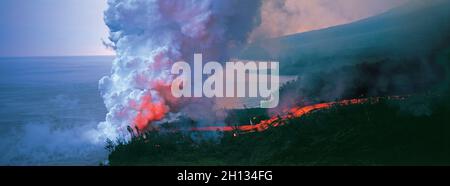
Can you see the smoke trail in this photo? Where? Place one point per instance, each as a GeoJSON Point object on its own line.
{"type": "Point", "coordinates": [150, 35]}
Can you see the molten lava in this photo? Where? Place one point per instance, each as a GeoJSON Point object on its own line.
{"type": "Point", "coordinates": [148, 112]}
{"type": "Point", "coordinates": [155, 111]}
{"type": "Point", "coordinates": [278, 120]}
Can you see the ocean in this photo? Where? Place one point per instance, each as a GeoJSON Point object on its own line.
{"type": "Point", "coordinates": [47, 105]}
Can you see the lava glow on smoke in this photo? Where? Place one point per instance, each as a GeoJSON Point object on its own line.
{"type": "Point", "coordinates": [149, 111]}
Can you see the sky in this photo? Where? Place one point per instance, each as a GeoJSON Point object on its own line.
{"type": "Point", "coordinates": [76, 27]}
{"type": "Point", "coordinates": [52, 28]}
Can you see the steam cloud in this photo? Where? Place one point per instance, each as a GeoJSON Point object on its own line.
{"type": "Point", "coordinates": [150, 35]}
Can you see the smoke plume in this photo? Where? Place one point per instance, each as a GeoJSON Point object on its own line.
{"type": "Point", "coordinates": [387, 54]}
{"type": "Point", "coordinates": [149, 36]}
{"type": "Point", "coordinates": [284, 17]}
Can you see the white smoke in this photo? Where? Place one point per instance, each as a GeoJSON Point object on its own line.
{"type": "Point", "coordinates": [150, 35]}
{"type": "Point", "coordinates": [53, 136]}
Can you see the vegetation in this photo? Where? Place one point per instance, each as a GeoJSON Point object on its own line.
{"type": "Point", "coordinates": [414, 131]}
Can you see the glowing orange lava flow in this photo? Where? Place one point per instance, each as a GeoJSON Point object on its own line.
{"type": "Point", "coordinates": [148, 112]}
{"type": "Point", "coordinates": [278, 120]}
